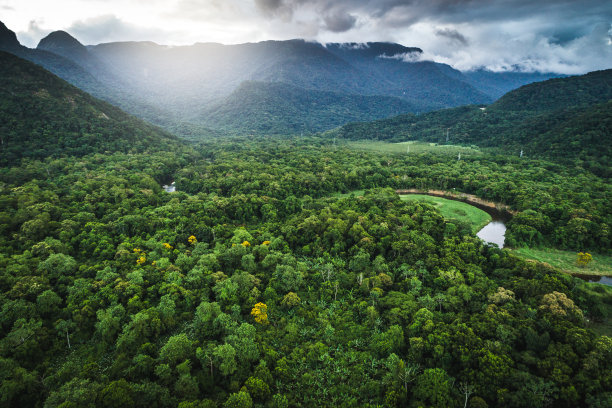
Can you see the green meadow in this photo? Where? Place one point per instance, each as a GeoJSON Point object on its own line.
{"type": "Point", "coordinates": [456, 210]}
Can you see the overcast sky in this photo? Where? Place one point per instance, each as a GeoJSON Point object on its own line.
{"type": "Point", "coordinates": [562, 36]}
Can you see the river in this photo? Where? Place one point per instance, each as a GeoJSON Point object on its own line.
{"type": "Point", "coordinates": [604, 280]}
{"type": "Point", "coordinates": [169, 188]}
{"type": "Point", "coordinates": [495, 231]}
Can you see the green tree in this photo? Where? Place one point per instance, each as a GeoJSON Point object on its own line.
{"type": "Point", "coordinates": [225, 359]}
{"type": "Point", "coordinates": [177, 348]}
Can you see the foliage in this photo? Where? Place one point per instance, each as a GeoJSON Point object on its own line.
{"type": "Point", "coordinates": [260, 313]}
{"type": "Point", "coordinates": [583, 259]}
{"type": "Point", "coordinates": [371, 300]}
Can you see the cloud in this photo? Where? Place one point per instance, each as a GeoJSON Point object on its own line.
{"type": "Point", "coordinates": [109, 28]}
{"type": "Point", "coordinates": [33, 34]}
{"type": "Point", "coordinates": [277, 8]}
{"type": "Point", "coordinates": [563, 35]}
{"type": "Point", "coordinates": [339, 22]}
{"type": "Point", "coordinates": [453, 35]}
{"type": "Point", "coordinates": [499, 51]}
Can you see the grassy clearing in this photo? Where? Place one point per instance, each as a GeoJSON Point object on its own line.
{"type": "Point", "coordinates": [566, 260]}
{"type": "Point", "coordinates": [414, 147]}
{"type": "Point", "coordinates": [455, 210]}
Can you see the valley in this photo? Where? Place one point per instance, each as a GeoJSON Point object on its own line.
{"type": "Point", "coordinates": [296, 224]}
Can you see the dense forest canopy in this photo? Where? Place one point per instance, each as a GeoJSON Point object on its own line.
{"type": "Point", "coordinates": [254, 285]}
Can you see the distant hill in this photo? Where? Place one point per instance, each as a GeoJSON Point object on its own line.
{"type": "Point", "coordinates": [496, 84]}
{"type": "Point", "coordinates": [565, 118]}
{"type": "Point", "coordinates": [173, 86]}
{"type": "Point", "coordinates": [560, 93]}
{"type": "Point", "coordinates": [43, 116]}
{"type": "Point", "coordinates": [277, 108]}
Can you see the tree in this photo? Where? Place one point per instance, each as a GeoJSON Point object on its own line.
{"type": "Point", "coordinates": [434, 388]}
{"type": "Point", "coordinates": [291, 300]}
{"type": "Point", "coordinates": [583, 259]}
{"type": "Point", "coordinates": [466, 389]}
{"type": "Point", "coordinates": [260, 313]}
{"type": "Point", "coordinates": [225, 358]}
{"type": "Point", "coordinates": [109, 322]}
{"type": "Point", "coordinates": [257, 388]}
{"type": "Point", "coordinates": [177, 348]}
{"type": "Point", "coordinates": [244, 340]}
{"type": "Point", "coordinates": [116, 394]}
{"type": "Point", "coordinates": [240, 399]}
{"type": "Point", "coordinates": [289, 279]}
{"type": "Point", "coordinates": [558, 304]}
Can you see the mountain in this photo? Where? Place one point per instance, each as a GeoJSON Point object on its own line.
{"type": "Point", "coordinates": [564, 118]}
{"type": "Point", "coordinates": [8, 39]}
{"type": "Point", "coordinates": [206, 77]}
{"type": "Point", "coordinates": [67, 58]}
{"type": "Point", "coordinates": [44, 116]}
{"type": "Point", "coordinates": [62, 43]}
{"type": "Point", "coordinates": [560, 93]}
{"type": "Point", "coordinates": [182, 88]}
{"type": "Point", "coordinates": [208, 71]}
{"type": "Point", "coordinates": [497, 84]}
{"type": "Point", "coordinates": [277, 108]}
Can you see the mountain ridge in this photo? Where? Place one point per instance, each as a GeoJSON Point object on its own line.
{"type": "Point", "coordinates": [171, 86]}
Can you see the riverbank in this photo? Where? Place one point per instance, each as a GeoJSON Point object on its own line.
{"type": "Point", "coordinates": [468, 198]}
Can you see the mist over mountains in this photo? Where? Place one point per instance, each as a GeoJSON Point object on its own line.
{"type": "Point", "coordinates": [209, 86]}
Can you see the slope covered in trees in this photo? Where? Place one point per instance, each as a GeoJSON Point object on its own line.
{"type": "Point", "coordinates": [41, 116]}
{"type": "Point", "coordinates": [561, 118]}
{"type": "Point", "coordinates": [276, 108]}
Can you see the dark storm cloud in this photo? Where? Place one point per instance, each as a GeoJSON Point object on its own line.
{"type": "Point", "coordinates": [406, 12]}
{"type": "Point", "coordinates": [339, 21]}
{"type": "Point", "coordinates": [565, 36]}
{"type": "Point", "coordinates": [269, 6]}
{"type": "Point", "coordinates": [453, 35]}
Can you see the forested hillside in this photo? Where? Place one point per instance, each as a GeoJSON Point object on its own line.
{"type": "Point", "coordinates": [42, 116]}
{"type": "Point", "coordinates": [566, 118]}
{"type": "Point", "coordinates": [276, 108]}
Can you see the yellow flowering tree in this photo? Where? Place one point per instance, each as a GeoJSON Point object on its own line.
{"type": "Point", "coordinates": [260, 313]}
{"type": "Point", "coordinates": [583, 259]}
{"type": "Point", "coordinates": [168, 246]}
{"type": "Point", "coordinates": [192, 239]}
